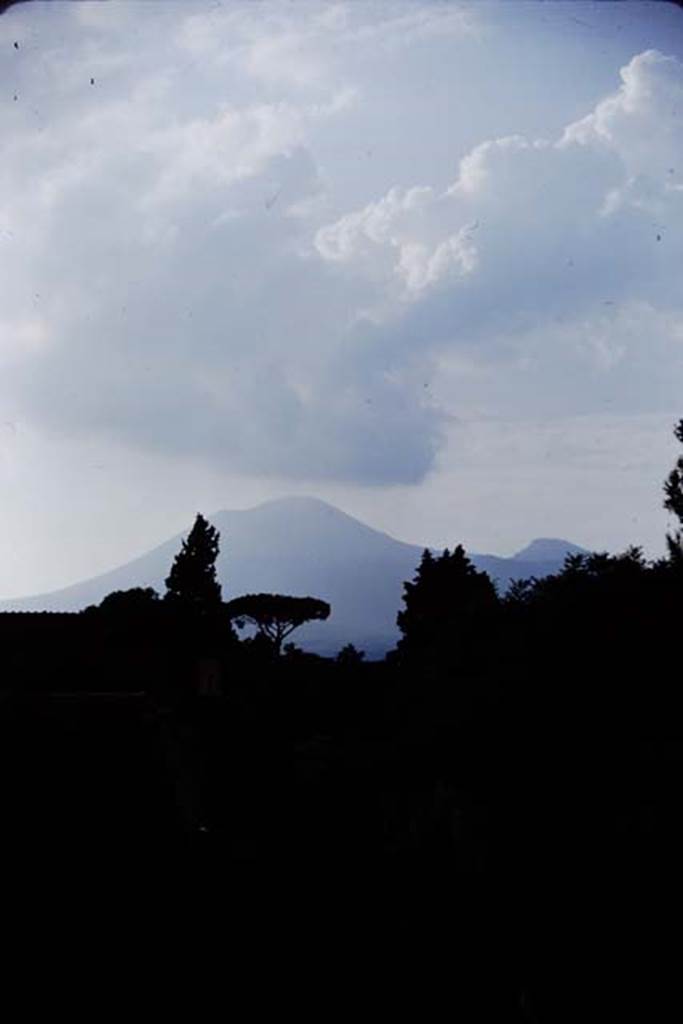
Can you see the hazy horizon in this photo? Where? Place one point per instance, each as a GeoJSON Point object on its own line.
{"type": "Point", "coordinates": [418, 260]}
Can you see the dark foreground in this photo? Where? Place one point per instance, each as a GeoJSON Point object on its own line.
{"type": "Point", "coordinates": [496, 847]}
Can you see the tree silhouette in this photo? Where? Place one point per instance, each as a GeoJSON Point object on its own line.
{"type": "Point", "coordinates": [673, 500]}
{"type": "Point", "coordinates": [350, 657]}
{"type": "Point", "coordinates": [192, 580]}
{"type": "Point", "coordinates": [134, 601]}
{"type": "Point", "coordinates": [276, 615]}
{"type": "Point", "coordinates": [444, 602]}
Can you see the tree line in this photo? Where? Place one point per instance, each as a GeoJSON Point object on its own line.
{"type": "Point", "coordinates": [453, 619]}
{"type": "Point", "coordinates": [450, 609]}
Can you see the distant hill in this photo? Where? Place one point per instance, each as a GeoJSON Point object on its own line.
{"type": "Point", "coordinates": [548, 549]}
{"type": "Point", "coordinates": [305, 547]}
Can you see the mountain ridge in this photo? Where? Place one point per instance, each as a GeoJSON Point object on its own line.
{"type": "Point", "coordinates": [305, 547]}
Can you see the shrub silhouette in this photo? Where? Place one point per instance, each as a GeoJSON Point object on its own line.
{"type": "Point", "coordinates": [349, 656]}
{"type": "Point", "coordinates": [136, 601]}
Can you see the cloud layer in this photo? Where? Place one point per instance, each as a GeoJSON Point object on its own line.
{"type": "Point", "coordinates": [195, 262]}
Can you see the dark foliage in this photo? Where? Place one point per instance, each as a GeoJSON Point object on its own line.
{"type": "Point", "coordinates": [448, 607]}
{"type": "Point", "coordinates": [192, 581]}
{"type": "Point", "coordinates": [349, 656]}
{"type": "Point", "coordinates": [276, 616]}
{"type": "Point", "coordinates": [136, 601]}
{"type": "Point", "coordinates": [673, 500]}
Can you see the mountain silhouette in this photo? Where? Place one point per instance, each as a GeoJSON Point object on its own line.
{"type": "Point", "coordinates": [548, 549]}
{"type": "Point", "coordinates": [305, 547]}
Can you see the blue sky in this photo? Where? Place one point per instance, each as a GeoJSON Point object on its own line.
{"type": "Point", "coordinates": [418, 259]}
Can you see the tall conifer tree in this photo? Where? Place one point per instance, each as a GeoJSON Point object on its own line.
{"type": "Point", "coordinates": [192, 580]}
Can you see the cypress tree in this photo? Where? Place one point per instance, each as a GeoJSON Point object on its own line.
{"type": "Point", "coordinates": [192, 581]}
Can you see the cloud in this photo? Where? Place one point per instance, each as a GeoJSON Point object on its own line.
{"type": "Point", "coordinates": [537, 224]}
{"type": "Point", "coordinates": [641, 121]}
{"type": "Point", "coordinates": [276, 49]}
{"type": "Point", "coordinates": [400, 224]}
{"type": "Point", "coordinates": [181, 274]}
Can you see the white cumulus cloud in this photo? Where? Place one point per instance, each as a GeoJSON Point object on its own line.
{"type": "Point", "coordinates": [541, 224]}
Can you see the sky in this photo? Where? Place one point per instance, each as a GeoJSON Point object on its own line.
{"type": "Point", "coordinates": [421, 260]}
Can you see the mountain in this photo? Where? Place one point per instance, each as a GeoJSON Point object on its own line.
{"type": "Point", "coordinates": [548, 549]}
{"type": "Point", "coordinates": [305, 547]}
